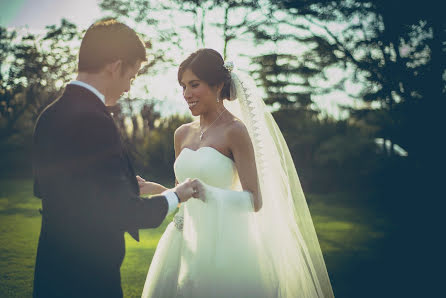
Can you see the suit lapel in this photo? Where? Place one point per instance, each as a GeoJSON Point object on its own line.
{"type": "Point", "coordinates": [91, 101]}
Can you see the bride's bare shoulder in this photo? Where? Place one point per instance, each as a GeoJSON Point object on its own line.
{"type": "Point", "coordinates": [185, 129]}
{"type": "Point", "coordinates": [236, 129]}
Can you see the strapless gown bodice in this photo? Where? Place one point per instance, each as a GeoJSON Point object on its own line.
{"type": "Point", "coordinates": [206, 164]}
{"type": "Point", "coordinates": [209, 249]}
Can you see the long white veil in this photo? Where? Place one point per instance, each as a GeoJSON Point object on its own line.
{"type": "Point", "coordinates": [290, 251]}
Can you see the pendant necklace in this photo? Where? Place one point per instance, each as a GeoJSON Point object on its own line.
{"type": "Point", "coordinates": [203, 131]}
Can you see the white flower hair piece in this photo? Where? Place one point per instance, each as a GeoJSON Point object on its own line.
{"type": "Point", "coordinates": [229, 65]}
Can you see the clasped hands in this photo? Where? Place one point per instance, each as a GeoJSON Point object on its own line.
{"type": "Point", "coordinates": [186, 190]}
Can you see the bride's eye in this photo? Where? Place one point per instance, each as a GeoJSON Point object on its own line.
{"type": "Point", "coordinates": [195, 85]}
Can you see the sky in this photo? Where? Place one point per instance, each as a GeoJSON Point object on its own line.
{"type": "Point", "coordinates": [37, 14]}
{"type": "Point", "coordinates": [34, 15]}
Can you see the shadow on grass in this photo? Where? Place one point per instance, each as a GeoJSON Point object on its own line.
{"type": "Point", "coordinates": [355, 235]}
{"type": "Point", "coordinates": [22, 211]}
{"type": "Point", "coordinates": [354, 238]}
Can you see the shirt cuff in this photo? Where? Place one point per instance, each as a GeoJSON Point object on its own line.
{"type": "Point", "coordinates": [172, 200]}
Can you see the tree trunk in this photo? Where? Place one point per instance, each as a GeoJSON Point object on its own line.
{"type": "Point", "coordinates": [225, 32]}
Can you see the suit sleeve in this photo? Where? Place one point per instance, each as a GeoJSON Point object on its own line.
{"type": "Point", "coordinates": [36, 186]}
{"type": "Point", "coordinates": [101, 169]}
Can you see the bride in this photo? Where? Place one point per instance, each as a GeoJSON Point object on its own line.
{"type": "Point", "coordinates": [251, 233]}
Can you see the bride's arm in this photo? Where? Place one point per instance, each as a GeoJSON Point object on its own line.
{"type": "Point", "coordinates": [150, 188]}
{"type": "Point", "coordinates": [243, 153]}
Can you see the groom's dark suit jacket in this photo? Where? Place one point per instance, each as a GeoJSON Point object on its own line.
{"type": "Point", "coordinates": [90, 197]}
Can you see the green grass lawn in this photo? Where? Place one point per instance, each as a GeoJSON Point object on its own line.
{"type": "Point", "coordinates": [350, 236]}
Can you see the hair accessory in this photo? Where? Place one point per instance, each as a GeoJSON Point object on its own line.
{"type": "Point", "coordinates": [229, 65]}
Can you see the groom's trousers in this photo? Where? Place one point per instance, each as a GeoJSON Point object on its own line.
{"type": "Point", "coordinates": [72, 267]}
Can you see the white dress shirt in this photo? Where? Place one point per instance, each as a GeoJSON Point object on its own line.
{"type": "Point", "coordinates": [172, 200]}
{"type": "Point", "coordinates": [171, 197]}
{"type": "Point", "coordinates": [89, 87]}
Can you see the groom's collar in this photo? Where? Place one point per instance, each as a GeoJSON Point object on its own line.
{"type": "Point", "coordinates": [91, 88]}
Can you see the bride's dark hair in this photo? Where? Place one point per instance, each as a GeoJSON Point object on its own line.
{"type": "Point", "coordinates": [207, 65]}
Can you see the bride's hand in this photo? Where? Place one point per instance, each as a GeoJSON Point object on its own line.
{"type": "Point", "coordinates": [199, 192]}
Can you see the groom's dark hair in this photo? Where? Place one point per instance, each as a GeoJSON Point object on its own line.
{"type": "Point", "coordinates": [107, 41]}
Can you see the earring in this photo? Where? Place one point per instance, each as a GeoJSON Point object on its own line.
{"type": "Point", "coordinates": [218, 100]}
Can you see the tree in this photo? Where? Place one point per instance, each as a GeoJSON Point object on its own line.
{"type": "Point", "coordinates": [199, 17]}
{"type": "Point", "coordinates": [289, 78]}
{"type": "Point", "coordinates": [157, 151]}
{"type": "Point", "coordinates": [33, 68]}
{"type": "Point", "coordinates": [238, 18]}
{"type": "Point", "coordinates": [398, 51]}
{"type": "Point", "coordinates": [398, 56]}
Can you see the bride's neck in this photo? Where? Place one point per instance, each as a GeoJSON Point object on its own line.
{"type": "Point", "coordinates": [209, 117]}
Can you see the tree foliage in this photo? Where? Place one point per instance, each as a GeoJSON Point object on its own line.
{"type": "Point", "coordinates": [295, 43]}
{"type": "Point", "coordinates": [398, 56]}
{"type": "Point", "coordinates": [32, 69]}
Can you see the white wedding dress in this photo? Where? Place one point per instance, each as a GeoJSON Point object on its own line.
{"type": "Point", "coordinates": [221, 247]}
{"type": "Point", "coordinates": [208, 250]}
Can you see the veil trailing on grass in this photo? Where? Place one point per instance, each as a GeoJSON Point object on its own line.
{"type": "Point", "coordinates": [285, 231]}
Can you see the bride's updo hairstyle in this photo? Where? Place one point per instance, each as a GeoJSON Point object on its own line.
{"type": "Point", "coordinates": [207, 65]}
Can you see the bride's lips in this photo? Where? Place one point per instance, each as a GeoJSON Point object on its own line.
{"type": "Point", "coordinates": [192, 104]}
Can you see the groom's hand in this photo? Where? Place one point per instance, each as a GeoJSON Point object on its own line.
{"type": "Point", "coordinates": [188, 189]}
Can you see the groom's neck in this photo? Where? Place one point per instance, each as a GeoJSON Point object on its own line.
{"type": "Point", "coordinates": [96, 80]}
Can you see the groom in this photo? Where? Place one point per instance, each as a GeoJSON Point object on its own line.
{"type": "Point", "coordinates": [82, 173]}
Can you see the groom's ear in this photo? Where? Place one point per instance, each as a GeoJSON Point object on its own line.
{"type": "Point", "coordinates": [114, 67]}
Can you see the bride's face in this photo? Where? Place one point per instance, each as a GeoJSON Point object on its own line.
{"type": "Point", "coordinates": [199, 96]}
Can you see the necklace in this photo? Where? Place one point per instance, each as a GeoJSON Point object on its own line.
{"type": "Point", "coordinates": [203, 131]}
